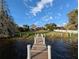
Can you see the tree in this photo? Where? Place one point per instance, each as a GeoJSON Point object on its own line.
{"type": "Point", "coordinates": [21, 29]}
{"type": "Point", "coordinates": [73, 17]}
{"type": "Point", "coordinates": [50, 26]}
{"type": "Point", "coordinates": [33, 27]}
{"type": "Point", "coordinates": [26, 27]}
{"type": "Point", "coordinates": [73, 20]}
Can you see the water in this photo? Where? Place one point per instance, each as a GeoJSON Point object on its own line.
{"type": "Point", "coordinates": [60, 50]}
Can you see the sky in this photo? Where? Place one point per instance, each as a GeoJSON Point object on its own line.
{"type": "Point", "coordinates": [41, 12]}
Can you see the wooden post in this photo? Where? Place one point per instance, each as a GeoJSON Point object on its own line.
{"type": "Point", "coordinates": [42, 35]}
{"type": "Point", "coordinates": [67, 37]}
{"type": "Point", "coordinates": [61, 36]}
{"type": "Point", "coordinates": [34, 40]}
{"type": "Point", "coordinates": [37, 35]}
{"type": "Point", "coordinates": [28, 52]}
{"type": "Point", "coordinates": [70, 37]}
{"type": "Point", "coordinates": [49, 52]}
{"type": "Point", "coordinates": [43, 40]}
{"type": "Point", "coordinates": [20, 34]}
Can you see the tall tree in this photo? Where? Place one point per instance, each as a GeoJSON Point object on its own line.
{"type": "Point", "coordinates": [73, 20]}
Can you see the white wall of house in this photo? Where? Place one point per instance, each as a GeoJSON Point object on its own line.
{"type": "Point", "coordinates": [69, 31]}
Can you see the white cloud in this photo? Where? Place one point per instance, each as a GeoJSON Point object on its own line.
{"type": "Point", "coordinates": [51, 17]}
{"type": "Point", "coordinates": [28, 15]}
{"type": "Point", "coordinates": [40, 5]}
{"type": "Point", "coordinates": [26, 5]}
{"type": "Point", "coordinates": [64, 23]}
{"type": "Point", "coordinates": [20, 25]}
{"type": "Point", "coordinates": [47, 18]}
{"type": "Point", "coordinates": [38, 23]}
{"type": "Point", "coordinates": [59, 25]}
{"type": "Point", "coordinates": [43, 20]}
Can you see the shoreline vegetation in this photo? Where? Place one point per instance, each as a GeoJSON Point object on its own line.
{"type": "Point", "coordinates": [50, 35]}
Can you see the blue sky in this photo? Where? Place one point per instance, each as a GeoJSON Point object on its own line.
{"type": "Point", "coordinates": [40, 12]}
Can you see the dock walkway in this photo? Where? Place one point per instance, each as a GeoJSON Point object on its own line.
{"type": "Point", "coordinates": [39, 49]}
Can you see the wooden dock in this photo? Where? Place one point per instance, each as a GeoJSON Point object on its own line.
{"type": "Point", "coordinates": [39, 49]}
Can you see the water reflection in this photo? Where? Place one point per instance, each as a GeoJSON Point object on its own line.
{"type": "Point", "coordinates": [60, 50]}
{"type": "Point", "coordinates": [17, 50]}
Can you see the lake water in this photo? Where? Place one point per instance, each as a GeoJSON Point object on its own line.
{"type": "Point", "coordinates": [60, 50]}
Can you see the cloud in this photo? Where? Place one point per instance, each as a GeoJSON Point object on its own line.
{"type": "Point", "coordinates": [28, 15]}
{"type": "Point", "coordinates": [40, 5]}
{"type": "Point", "coordinates": [50, 17]}
{"type": "Point", "coordinates": [47, 18]}
{"type": "Point", "coordinates": [26, 5]}
{"type": "Point", "coordinates": [62, 24]}
{"type": "Point", "coordinates": [38, 23]}
{"type": "Point", "coordinates": [59, 25]}
{"type": "Point", "coordinates": [20, 25]}
{"type": "Point", "coordinates": [43, 20]}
